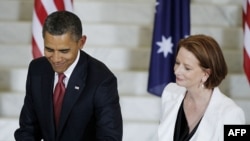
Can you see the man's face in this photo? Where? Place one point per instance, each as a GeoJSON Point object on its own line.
{"type": "Point", "coordinates": [61, 50]}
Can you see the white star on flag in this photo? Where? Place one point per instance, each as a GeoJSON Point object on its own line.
{"type": "Point", "coordinates": [165, 45]}
{"type": "Point", "coordinates": [156, 4]}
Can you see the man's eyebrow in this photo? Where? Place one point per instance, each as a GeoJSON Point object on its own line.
{"type": "Point", "coordinates": [48, 48]}
{"type": "Point", "coordinates": [67, 49]}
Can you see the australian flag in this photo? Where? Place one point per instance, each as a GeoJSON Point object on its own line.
{"type": "Point", "coordinates": [171, 23]}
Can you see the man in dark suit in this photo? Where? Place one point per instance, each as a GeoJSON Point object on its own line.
{"type": "Point", "coordinates": [90, 109]}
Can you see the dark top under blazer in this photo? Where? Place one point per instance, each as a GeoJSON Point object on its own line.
{"type": "Point", "coordinates": [90, 113]}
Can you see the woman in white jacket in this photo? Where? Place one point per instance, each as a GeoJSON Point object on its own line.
{"type": "Point", "coordinates": [193, 108]}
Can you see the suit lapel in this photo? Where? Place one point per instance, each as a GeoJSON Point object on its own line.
{"type": "Point", "coordinates": [74, 88]}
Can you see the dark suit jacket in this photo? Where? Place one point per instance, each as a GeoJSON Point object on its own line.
{"type": "Point", "coordinates": [90, 113]}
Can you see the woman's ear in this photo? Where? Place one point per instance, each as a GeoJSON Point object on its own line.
{"type": "Point", "coordinates": [207, 73]}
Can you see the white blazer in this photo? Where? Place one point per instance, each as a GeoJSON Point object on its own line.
{"type": "Point", "coordinates": [221, 110]}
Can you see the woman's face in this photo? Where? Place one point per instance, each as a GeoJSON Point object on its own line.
{"type": "Point", "coordinates": [187, 70]}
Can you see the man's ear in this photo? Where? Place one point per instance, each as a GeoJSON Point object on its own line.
{"type": "Point", "coordinates": [82, 42]}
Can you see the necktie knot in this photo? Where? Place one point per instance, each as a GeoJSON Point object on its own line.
{"type": "Point", "coordinates": [61, 76]}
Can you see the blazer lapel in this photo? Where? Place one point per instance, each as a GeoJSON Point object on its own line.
{"type": "Point", "coordinates": [74, 88]}
{"type": "Point", "coordinates": [210, 116]}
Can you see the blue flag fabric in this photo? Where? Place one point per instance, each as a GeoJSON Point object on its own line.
{"type": "Point", "coordinates": [171, 23]}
